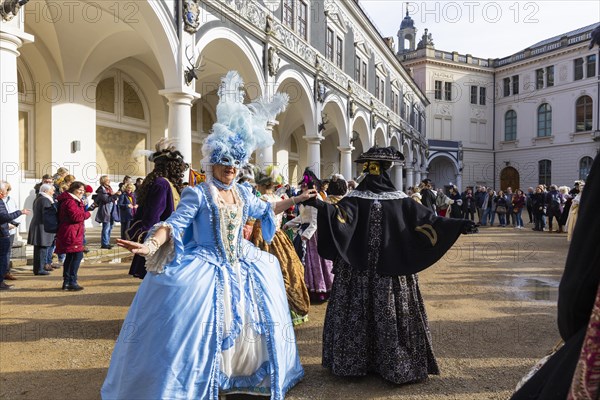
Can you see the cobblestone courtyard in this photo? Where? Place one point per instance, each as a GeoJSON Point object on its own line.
{"type": "Point", "coordinates": [491, 303]}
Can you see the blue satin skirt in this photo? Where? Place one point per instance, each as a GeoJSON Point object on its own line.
{"type": "Point", "coordinates": [183, 322]}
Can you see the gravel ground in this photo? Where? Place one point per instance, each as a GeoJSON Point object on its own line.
{"type": "Point", "coordinates": [491, 303]}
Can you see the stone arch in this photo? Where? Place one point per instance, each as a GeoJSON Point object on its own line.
{"type": "Point", "coordinates": [379, 137]}
{"type": "Point", "coordinates": [335, 134]}
{"type": "Point", "coordinates": [299, 90]}
{"type": "Point", "coordinates": [218, 62]}
{"type": "Point", "coordinates": [362, 142]}
{"type": "Point", "coordinates": [443, 169]}
{"type": "Point", "coordinates": [339, 117]}
{"type": "Point", "coordinates": [362, 119]}
{"type": "Point", "coordinates": [296, 122]}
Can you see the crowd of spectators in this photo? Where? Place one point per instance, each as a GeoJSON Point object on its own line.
{"type": "Point", "coordinates": [544, 208]}
{"type": "Point", "coordinates": [61, 206]}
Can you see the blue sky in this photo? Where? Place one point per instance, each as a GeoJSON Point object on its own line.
{"type": "Point", "coordinates": [486, 29]}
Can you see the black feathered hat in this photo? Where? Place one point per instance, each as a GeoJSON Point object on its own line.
{"type": "Point", "coordinates": [389, 154]}
{"type": "Point", "coordinates": [310, 177]}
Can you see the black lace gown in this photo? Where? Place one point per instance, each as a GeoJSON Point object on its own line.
{"type": "Point", "coordinates": [379, 240]}
{"type": "Point", "coordinates": [377, 323]}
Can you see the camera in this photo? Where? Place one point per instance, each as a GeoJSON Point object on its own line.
{"type": "Point", "coordinates": [93, 206]}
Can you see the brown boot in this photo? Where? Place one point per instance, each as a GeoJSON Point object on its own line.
{"type": "Point", "coordinates": [10, 277]}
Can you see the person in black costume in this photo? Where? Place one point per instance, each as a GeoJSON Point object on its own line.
{"type": "Point", "coordinates": [576, 295]}
{"type": "Point", "coordinates": [379, 238]}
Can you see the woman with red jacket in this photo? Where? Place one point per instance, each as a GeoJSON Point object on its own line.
{"type": "Point", "coordinates": [69, 238]}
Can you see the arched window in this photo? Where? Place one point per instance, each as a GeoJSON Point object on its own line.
{"type": "Point", "coordinates": [585, 165]}
{"type": "Point", "coordinates": [544, 120]}
{"type": "Point", "coordinates": [510, 125]}
{"type": "Point", "coordinates": [122, 125]}
{"type": "Point", "coordinates": [583, 114]}
{"type": "Point", "coordinates": [545, 172]}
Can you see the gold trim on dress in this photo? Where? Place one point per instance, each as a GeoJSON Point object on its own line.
{"type": "Point", "coordinates": [428, 231]}
{"type": "Point", "coordinates": [340, 214]}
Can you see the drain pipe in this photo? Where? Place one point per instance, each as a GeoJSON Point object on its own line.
{"type": "Point", "coordinates": [598, 96]}
{"type": "Point", "coordinates": [494, 135]}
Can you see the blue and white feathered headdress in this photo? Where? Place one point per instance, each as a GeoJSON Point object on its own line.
{"type": "Point", "coordinates": [240, 129]}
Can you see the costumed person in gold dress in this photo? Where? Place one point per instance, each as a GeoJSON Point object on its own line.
{"type": "Point", "coordinates": [282, 248]}
{"type": "Point", "coordinates": [380, 239]}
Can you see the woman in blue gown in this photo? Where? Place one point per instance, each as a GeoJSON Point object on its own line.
{"type": "Point", "coordinates": [211, 317]}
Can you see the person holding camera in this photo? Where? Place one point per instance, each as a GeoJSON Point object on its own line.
{"type": "Point", "coordinates": [105, 198]}
{"type": "Point", "coordinates": [127, 207]}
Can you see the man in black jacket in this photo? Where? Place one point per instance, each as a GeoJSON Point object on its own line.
{"type": "Point", "coordinates": [5, 218]}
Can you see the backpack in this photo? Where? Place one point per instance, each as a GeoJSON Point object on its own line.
{"type": "Point", "coordinates": [50, 218]}
{"type": "Point", "coordinates": [555, 199]}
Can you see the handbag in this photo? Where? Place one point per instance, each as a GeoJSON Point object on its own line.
{"type": "Point", "coordinates": [501, 209]}
{"type": "Point", "coordinates": [115, 213]}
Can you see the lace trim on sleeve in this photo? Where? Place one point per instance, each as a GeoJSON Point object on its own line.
{"type": "Point", "coordinates": [165, 253]}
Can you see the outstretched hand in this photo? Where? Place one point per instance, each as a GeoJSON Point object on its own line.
{"type": "Point", "coordinates": [470, 227]}
{"type": "Point", "coordinates": [313, 201]}
{"type": "Point", "coordinates": [306, 196]}
{"type": "Point", "coordinates": [134, 247]}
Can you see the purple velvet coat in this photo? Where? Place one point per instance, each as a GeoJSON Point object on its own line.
{"type": "Point", "coordinates": [158, 206]}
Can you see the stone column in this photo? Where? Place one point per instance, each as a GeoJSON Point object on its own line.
{"type": "Point", "coordinates": [346, 162]}
{"type": "Point", "coordinates": [409, 177]}
{"type": "Point", "coordinates": [459, 182]}
{"type": "Point", "coordinates": [180, 121]}
{"type": "Point", "coordinates": [398, 176]}
{"type": "Point", "coordinates": [264, 157]}
{"type": "Point", "coordinates": [418, 177]}
{"type": "Point", "coordinates": [314, 153]}
{"type": "Point", "coordinates": [10, 162]}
